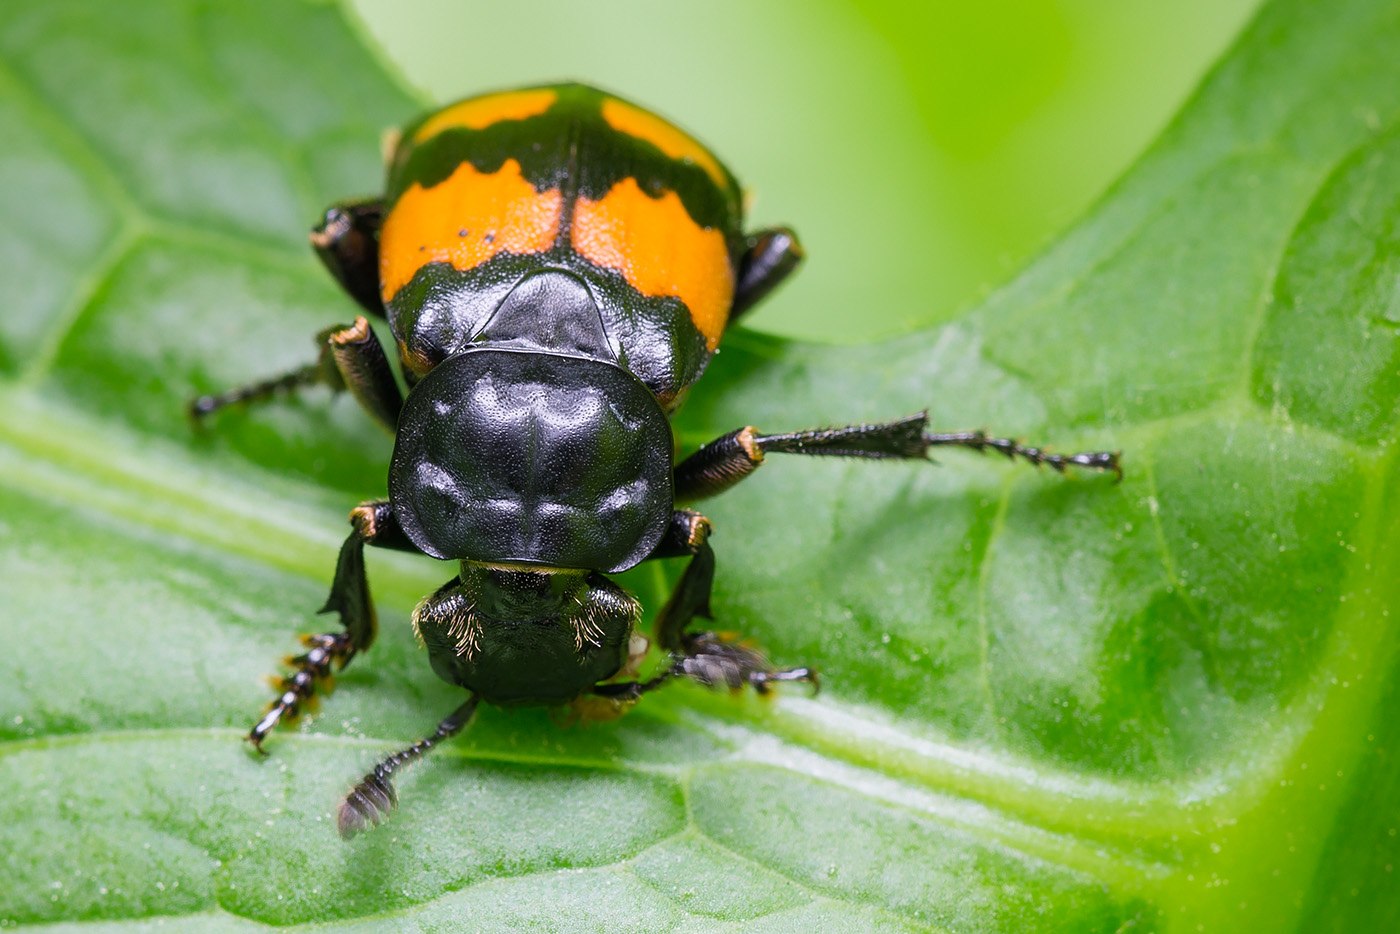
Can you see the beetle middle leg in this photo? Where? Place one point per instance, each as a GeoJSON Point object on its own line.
{"type": "Point", "coordinates": [347, 243]}
{"type": "Point", "coordinates": [351, 358]}
{"type": "Point", "coordinates": [722, 463]}
{"type": "Point", "coordinates": [373, 524]}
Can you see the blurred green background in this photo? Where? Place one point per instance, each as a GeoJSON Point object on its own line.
{"type": "Point", "coordinates": [924, 151]}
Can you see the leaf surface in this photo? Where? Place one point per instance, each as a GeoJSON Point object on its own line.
{"type": "Point", "coordinates": [1054, 705]}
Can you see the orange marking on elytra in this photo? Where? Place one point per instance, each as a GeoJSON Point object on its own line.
{"type": "Point", "coordinates": [464, 220]}
{"type": "Point", "coordinates": [480, 112]}
{"type": "Point", "coordinates": [654, 243]}
{"type": "Point", "coordinates": [666, 137]}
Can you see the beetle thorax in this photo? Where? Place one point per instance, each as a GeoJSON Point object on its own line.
{"type": "Point", "coordinates": [521, 457]}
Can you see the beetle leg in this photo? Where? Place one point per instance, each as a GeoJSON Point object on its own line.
{"type": "Point", "coordinates": [373, 523]}
{"type": "Point", "coordinates": [351, 358]}
{"type": "Point", "coordinates": [687, 531]}
{"type": "Point", "coordinates": [370, 802]}
{"type": "Point", "coordinates": [709, 658]}
{"type": "Point", "coordinates": [362, 366]}
{"type": "Point", "coordinates": [722, 463]}
{"type": "Point", "coordinates": [770, 257]}
{"type": "Point", "coordinates": [347, 241]}
{"type": "Point", "coordinates": [713, 659]}
{"type": "Point", "coordinates": [689, 599]}
{"type": "Point", "coordinates": [726, 660]}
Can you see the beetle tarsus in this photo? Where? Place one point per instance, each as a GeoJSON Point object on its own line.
{"type": "Point", "coordinates": [311, 674]}
{"type": "Point", "coordinates": [204, 406]}
{"type": "Point", "coordinates": [762, 679]}
{"type": "Point", "coordinates": [367, 805]}
{"type": "Point", "coordinates": [1011, 449]}
{"type": "Point", "coordinates": [715, 661]}
{"type": "Point", "coordinates": [725, 660]}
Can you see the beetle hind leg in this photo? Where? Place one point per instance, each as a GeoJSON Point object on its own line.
{"type": "Point", "coordinates": [770, 256]}
{"type": "Point", "coordinates": [347, 242]}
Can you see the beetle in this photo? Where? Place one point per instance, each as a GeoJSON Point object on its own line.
{"type": "Point", "coordinates": [557, 267]}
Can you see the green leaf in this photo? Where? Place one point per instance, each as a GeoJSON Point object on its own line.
{"type": "Point", "coordinates": [1054, 705]}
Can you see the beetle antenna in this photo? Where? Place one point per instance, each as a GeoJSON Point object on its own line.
{"type": "Point", "coordinates": [369, 802]}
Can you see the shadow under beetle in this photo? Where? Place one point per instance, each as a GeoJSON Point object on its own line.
{"type": "Point", "coordinates": [557, 267]}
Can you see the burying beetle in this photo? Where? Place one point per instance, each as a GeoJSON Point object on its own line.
{"type": "Point", "coordinates": [557, 267]}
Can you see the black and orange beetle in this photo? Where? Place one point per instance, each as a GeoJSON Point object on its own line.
{"type": "Point", "coordinates": [557, 267]}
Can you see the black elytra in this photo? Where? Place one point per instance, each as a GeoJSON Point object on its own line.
{"type": "Point", "coordinates": [556, 266]}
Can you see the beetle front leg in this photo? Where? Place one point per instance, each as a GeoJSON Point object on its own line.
{"type": "Point", "coordinates": [714, 659]}
{"type": "Point", "coordinates": [722, 463]}
{"type": "Point", "coordinates": [373, 523]}
{"type": "Point", "coordinates": [351, 358]}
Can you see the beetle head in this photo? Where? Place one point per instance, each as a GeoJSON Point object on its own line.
{"type": "Point", "coordinates": [527, 635]}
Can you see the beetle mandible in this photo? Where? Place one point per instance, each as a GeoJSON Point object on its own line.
{"type": "Point", "coordinates": [557, 267]}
